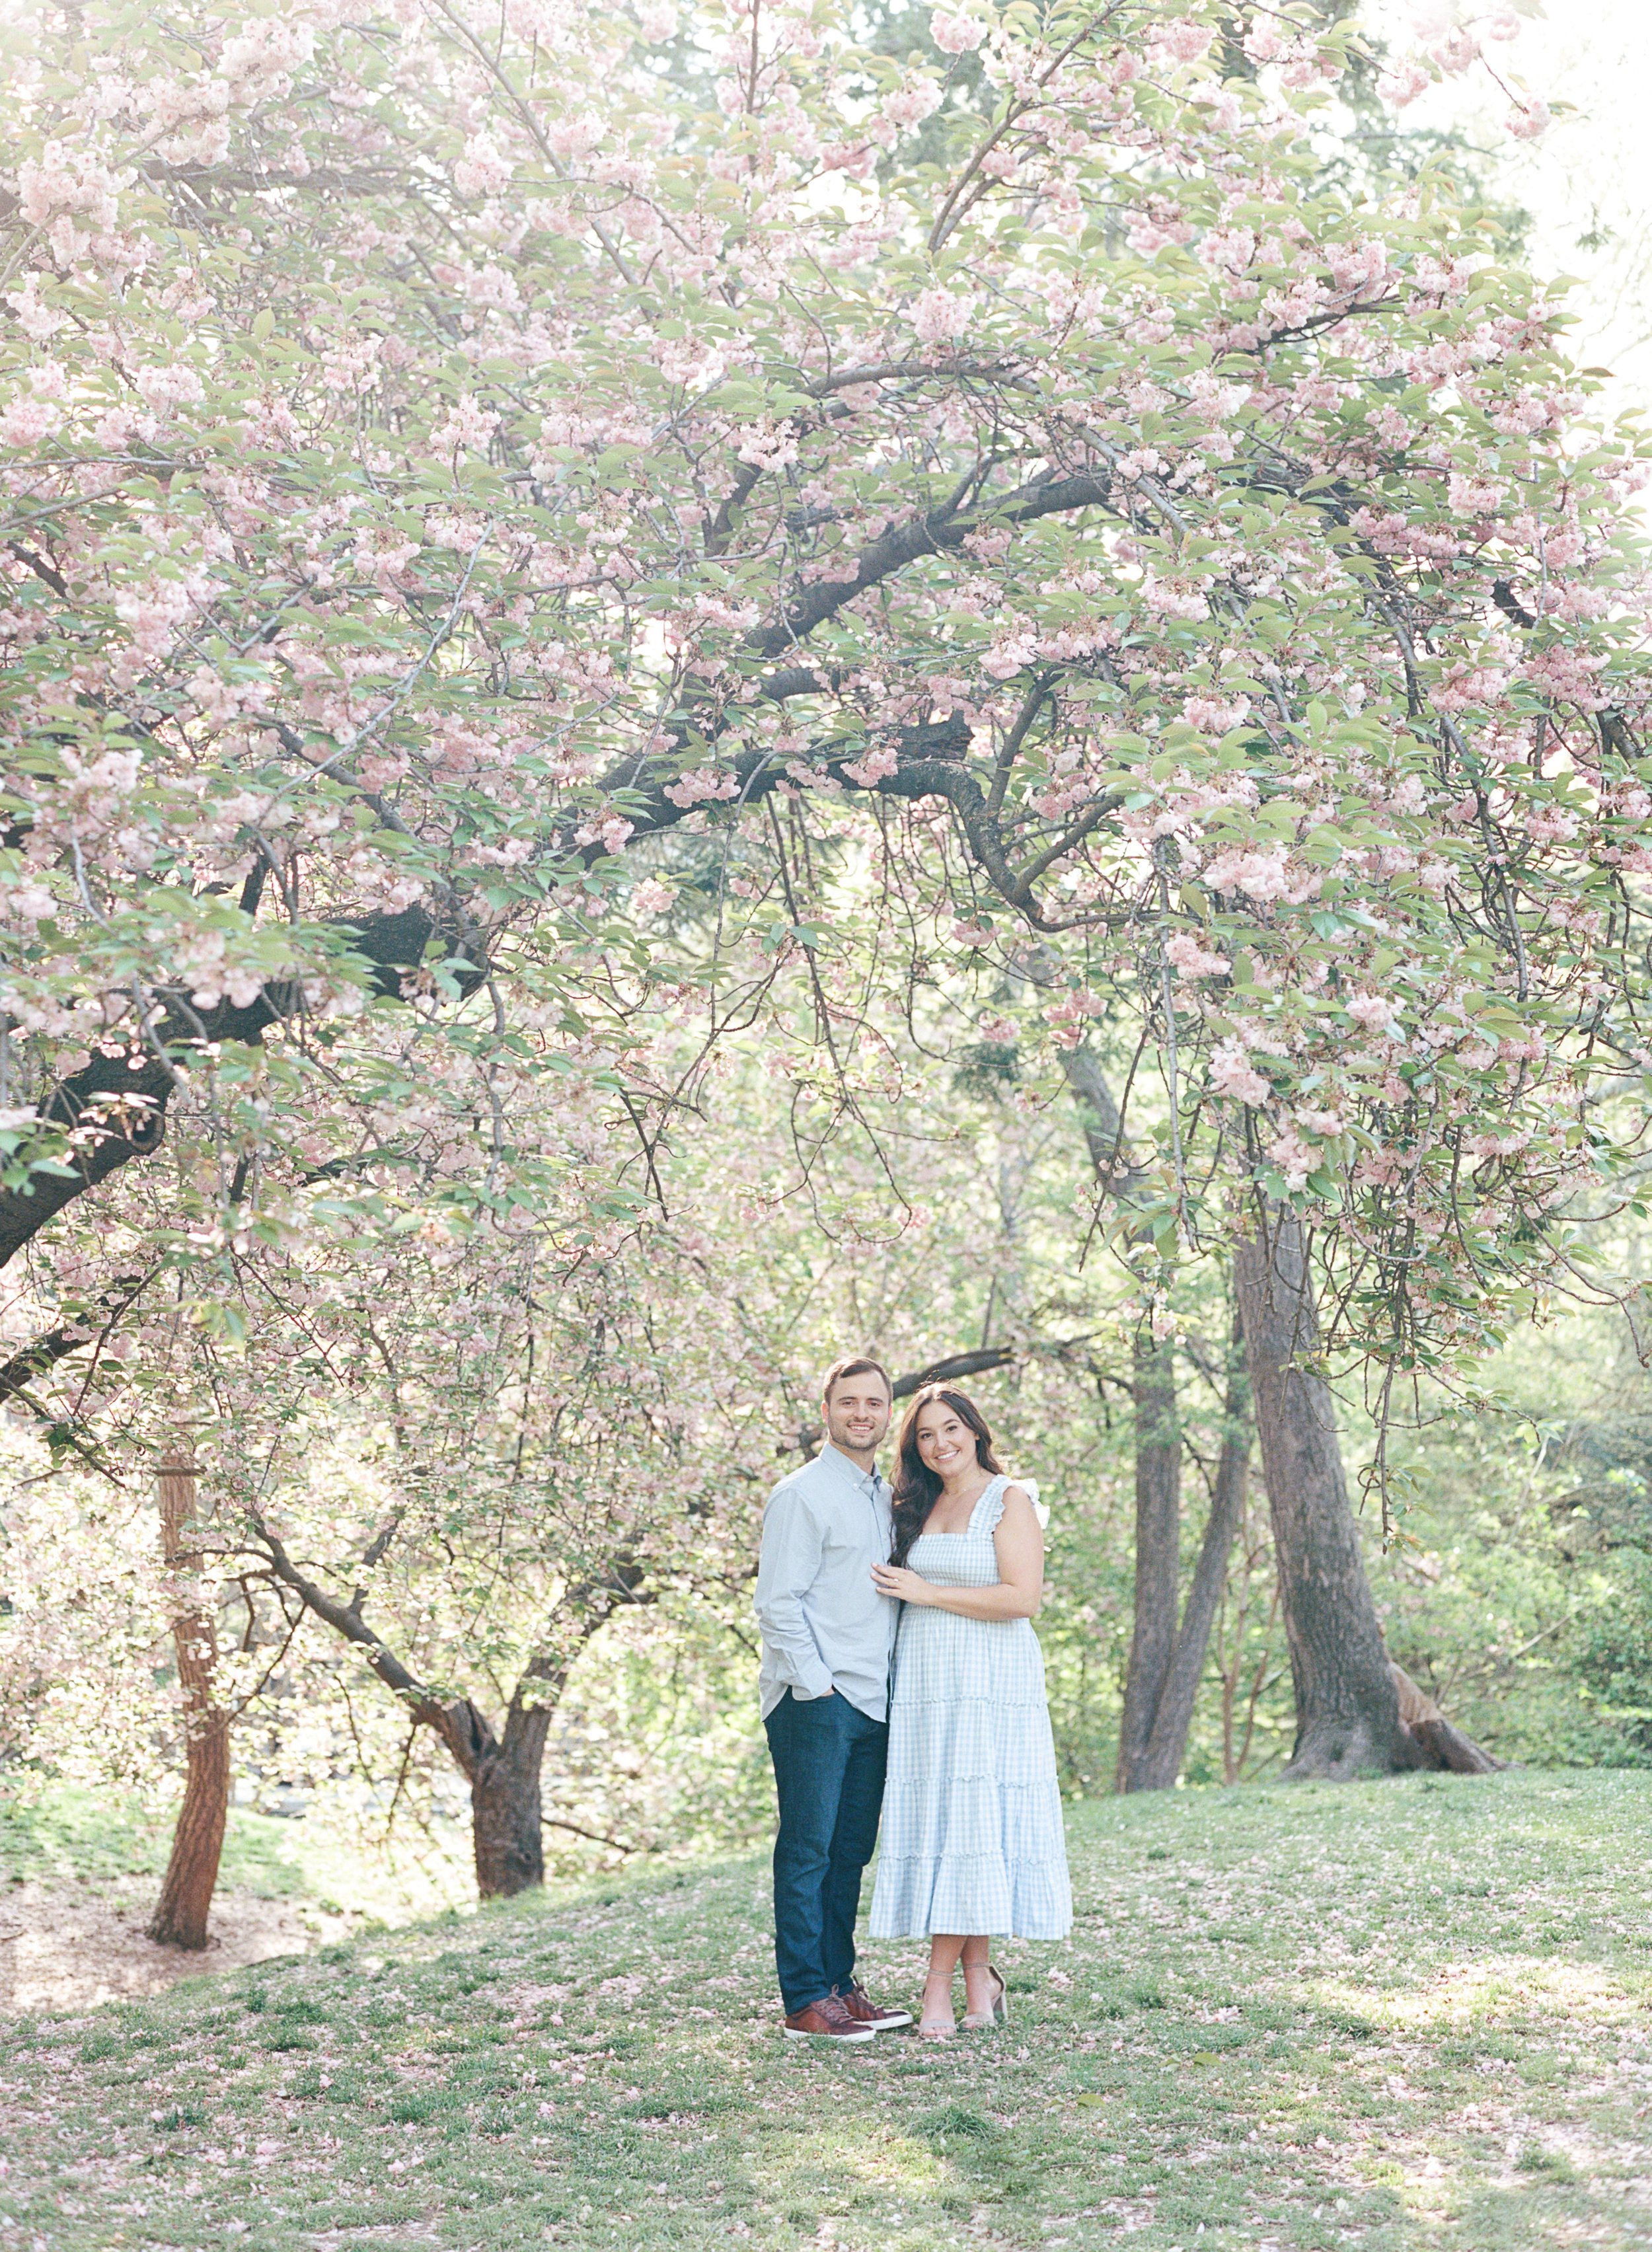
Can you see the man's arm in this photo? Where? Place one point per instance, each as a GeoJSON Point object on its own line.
{"type": "Point", "coordinates": [785, 1571]}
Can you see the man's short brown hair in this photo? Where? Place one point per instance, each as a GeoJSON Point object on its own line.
{"type": "Point", "coordinates": [857, 1364]}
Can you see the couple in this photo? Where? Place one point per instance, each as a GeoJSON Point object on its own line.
{"type": "Point", "coordinates": [942, 1578]}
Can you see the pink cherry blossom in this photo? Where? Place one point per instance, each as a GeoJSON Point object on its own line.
{"type": "Point", "coordinates": [1233, 1074]}
{"type": "Point", "coordinates": [589, 553]}
{"type": "Point", "coordinates": [1293, 1157]}
{"type": "Point", "coordinates": [876, 766]}
{"type": "Point", "coordinates": [1189, 959]}
{"type": "Point", "coordinates": [940, 315]}
{"type": "Point", "coordinates": [1215, 713]}
{"type": "Point", "coordinates": [955, 34]}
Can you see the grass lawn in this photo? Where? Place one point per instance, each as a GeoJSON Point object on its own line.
{"type": "Point", "coordinates": [1411, 2013]}
{"type": "Point", "coordinates": [72, 1837]}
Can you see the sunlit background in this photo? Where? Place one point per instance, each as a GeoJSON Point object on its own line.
{"type": "Point", "coordinates": [1585, 183]}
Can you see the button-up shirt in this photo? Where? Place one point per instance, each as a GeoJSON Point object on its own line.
{"type": "Point", "coordinates": [824, 1623]}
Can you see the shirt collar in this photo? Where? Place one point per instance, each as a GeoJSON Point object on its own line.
{"type": "Point", "coordinates": [871, 1479]}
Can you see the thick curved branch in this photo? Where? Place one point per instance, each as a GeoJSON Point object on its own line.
{"type": "Point", "coordinates": [461, 1726]}
{"type": "Point", "coordinates": [955, 1364]}
{"type": "Point", "coordinates": [930, 766]}
{"type": "Point", "coordinates": [936, 533]}
{"type": "Point", "coordinates": [930, 754]}
{"type": "Point", "coordinates": [115, 1114]}
{"type": "Point", "coordinates": [70, 1336]}
{"type": "Point", "coordinates": [974, 1362]}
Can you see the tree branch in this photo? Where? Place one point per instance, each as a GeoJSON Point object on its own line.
{"type": "Point", "coordinates": [461, 1726]}
{"type": "Point", "coordinates": [957, 1364]}
{"type": "Point", "coordinates": [936, 533]}
{"type": "Point", "coordinates": [114, 1114]}
{"type": "Point", "coordinates": [69, 1336]}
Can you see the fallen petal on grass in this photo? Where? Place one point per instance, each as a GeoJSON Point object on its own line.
{"type": "Point", "coordinates": [1398, 2054]}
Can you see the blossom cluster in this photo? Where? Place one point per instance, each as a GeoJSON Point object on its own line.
{"type": "Point", "coordinates": [460, 480]}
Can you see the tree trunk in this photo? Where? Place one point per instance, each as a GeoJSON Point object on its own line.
{"type": "Point", "coordinates": [503, 1772]}
{"type": "Point", "coordinates": [1167, 1745]}
{"type": "Point", "coordinates": [505, 1805]}
{"type": "Point", "coordinates": [1348, 1719]}
{"type": "Point", "coordinates": [1446, 1746]}
{"type": "Point", "coordinates": [191, 1872]}
{"type": "Point", "coordinates": [1158, 1538]}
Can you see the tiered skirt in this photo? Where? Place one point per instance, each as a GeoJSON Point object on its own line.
{"type": "Point", "coordinates": [972, 1832]}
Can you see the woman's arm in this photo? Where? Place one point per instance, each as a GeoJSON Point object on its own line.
{"type": "Point", "coordinates": [1020, 1543]}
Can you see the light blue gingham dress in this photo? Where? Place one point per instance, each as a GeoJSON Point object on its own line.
{"type": "Point", "coordinates": [972, 1836]}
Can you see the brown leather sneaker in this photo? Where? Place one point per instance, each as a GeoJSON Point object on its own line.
{"type": "Point", "coordinates": [860, 2006]}
{"type": "Point", "coordinates": [827, 2020]}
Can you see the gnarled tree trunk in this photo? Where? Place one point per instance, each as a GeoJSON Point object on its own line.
{"type": "Point", "coordinates": [503, 1770]}
{"type": "Point", "coordinates": [1446, 1746]}
{"type": "Point", "coordinates": [181, 1914]}
{"type": "Point", "coordinates": [505, 1805]}
{"type": "Point", "coordinates": [1348, 1719]}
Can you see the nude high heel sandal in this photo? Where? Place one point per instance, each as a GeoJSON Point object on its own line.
{"type": "Point", "coordinates": [981, 2021]}
{"type": "Point", "coordinates": [935, 2028]}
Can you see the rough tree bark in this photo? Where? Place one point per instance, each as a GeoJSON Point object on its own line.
{"type": "Point", "coordinates": [1446, 1745]}
{"type": "Point", "coordinates": [505, 1811]}
{"type": "Point", "coordinates": [1158, 1547]}
{"type": "Point", "coordinates": [1162, 1683]}
{"type": "Point", "coordinates": [501, 1766]}
{"type": "Point", "coordinates": [180, 1918]}
{"type": "Point", "coordinates": [1348, 1719]}
{"type": "Point", "coordinates": [1161, 1762]}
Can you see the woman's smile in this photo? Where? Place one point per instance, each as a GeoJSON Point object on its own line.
{"type": "Point", "coordinates": [945, 1444]}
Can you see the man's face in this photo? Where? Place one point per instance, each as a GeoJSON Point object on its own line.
{"type": "Point", "coordinates": [857, 1413]}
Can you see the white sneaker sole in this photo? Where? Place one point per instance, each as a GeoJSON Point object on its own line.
{"type": "Point", "coordinates": [844, 2040]}
{"type": "Point", "coordinates": [893, 2022]}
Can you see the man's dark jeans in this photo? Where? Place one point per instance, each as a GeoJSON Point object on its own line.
{"type": "Point", "coordinates": [829, 1775]}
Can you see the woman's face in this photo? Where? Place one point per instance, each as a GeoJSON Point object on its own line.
{"type": "Point", "coordinates": [946, 1443]}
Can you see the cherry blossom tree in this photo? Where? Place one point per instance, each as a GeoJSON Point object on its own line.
{"type": "Point", "coordinates": [435, 1472]}
{"type": "Point", "coordinates": [502, 506]}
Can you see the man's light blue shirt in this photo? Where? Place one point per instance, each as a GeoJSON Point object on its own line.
{"type": "Point", "coordinates": [824, 1623]}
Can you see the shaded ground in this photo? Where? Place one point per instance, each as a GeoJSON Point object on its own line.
{"type": "Point", "coordinates": [60, 1952]}
{"type": "Point", "coordinates": [81, 1871]}
{"type": "Point", "coordinates": [1410, 2014]}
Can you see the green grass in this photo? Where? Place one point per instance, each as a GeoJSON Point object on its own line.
{"type": "Point", "coordinates": [1402, 2014]}
{"type": "Point", "coordinates": [80, 1836]}
{"type": "Point", "coordinates": [71, 1838]}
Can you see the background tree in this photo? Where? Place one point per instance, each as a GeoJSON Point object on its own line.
{"type": "Point", "coordinates": [181, 1914]}
{"type": "Point", "coordinates": [832, 529]}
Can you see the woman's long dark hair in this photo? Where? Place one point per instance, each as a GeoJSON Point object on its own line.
{"type": "Point", "coordinates": [917, 1488]}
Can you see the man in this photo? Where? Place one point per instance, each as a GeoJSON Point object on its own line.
{"type": "Point", "coordinates": [827, 1638]}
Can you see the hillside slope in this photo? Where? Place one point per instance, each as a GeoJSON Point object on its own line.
{"type": "Point", "coordinates": [1396, 2015]}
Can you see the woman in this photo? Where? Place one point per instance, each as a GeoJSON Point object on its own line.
{"type": "Point", "coordinates": [972, 1836]}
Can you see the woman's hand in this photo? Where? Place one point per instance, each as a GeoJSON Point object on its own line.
{"type": "Point", "coordinates": [904, 1585]}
